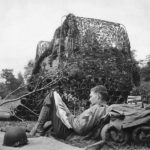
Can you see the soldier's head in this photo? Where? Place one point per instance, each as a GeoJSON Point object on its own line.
{"type": "Point", "coordinates": [98, 95]}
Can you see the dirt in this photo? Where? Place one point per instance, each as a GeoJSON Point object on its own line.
{"type": "Point", "coordinates": [40, 143]}
{"type": "Point", "coordinates": [50, 143]}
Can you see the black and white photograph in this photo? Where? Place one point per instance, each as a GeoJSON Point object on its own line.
{"type": "Point", "coordinates": [74, 74]}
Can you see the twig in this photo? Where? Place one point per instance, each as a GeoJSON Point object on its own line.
{"type": "Point", "coordinates": [13, 100]}
{"type": "Point", "coordinates": [47, 85]}
{"type": "Point", "coordinates": [14, 114]}
{"type": "Point", "coordinates": [14, 91]}
{"type": "Point", "coordinates": [18, 117]}
{"type": "Point", "coordinates": [30, 110]}
{"type": "Point", "coordinates": [96, 145]}
{"type": "Point", "coordinates": [16, 99]}
{"type": "Point", "coordinates": [36, 86]}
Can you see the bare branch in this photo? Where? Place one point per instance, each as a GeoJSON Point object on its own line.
{"type": "Point", "coordinates": [30, 110]}
{"type": "Point", "coordinates": [16, 99]}
{"type": "Point", "coordinates": [37, 90]}
{"type": "Point", "coordinates": [14, 91]}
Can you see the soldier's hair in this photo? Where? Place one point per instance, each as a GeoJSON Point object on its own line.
{"type": "Point", "coordinates": [100, 89]}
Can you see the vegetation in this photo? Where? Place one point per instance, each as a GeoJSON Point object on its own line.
{"type": "Point", "coordinates": [144, 88]}
{"type": "Point", "coordinates": [10, 82]}
{"type": "Point", "coordinates": [85, 59]}
{"type": "Point", "coordinates": [89, 52]}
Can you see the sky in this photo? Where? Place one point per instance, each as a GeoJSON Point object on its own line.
{"type": "Point", "coordinates": [23, 23]}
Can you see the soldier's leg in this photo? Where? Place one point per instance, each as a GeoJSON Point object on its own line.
{"type": "Point", "coordinates": [45, 115]}
{"type": "Point", "coordinates": [53, 109]}
{"type": "Point", "coordinates": [61, 126]}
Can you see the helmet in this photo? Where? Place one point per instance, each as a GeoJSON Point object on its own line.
{"type": "Point", "coordinates": [15, 136]}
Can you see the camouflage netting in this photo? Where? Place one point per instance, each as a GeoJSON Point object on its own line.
{"type": "Point", "coordinates": [85, 52]}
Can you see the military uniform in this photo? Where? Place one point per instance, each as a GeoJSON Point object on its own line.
{"type": "Point", "coordinates": [64, 122]}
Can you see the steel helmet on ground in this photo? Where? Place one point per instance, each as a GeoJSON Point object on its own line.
{"type": "Point", "coordinates": [15, 136]}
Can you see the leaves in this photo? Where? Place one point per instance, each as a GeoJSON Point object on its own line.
{"type": "Point", "coordinates": [90, 52]}
{"type": "Point", "coordinates": [10, 81]}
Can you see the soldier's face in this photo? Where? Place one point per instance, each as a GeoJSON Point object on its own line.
{"type": "Point", "coordinates": [95, 98]}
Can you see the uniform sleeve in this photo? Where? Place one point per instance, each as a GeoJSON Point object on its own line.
{"type": "Point", "coordinates": [87, 120]}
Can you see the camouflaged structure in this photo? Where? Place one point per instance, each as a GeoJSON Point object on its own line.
{"type": "Point", "coordinates": [41, 48]}
{"type": "Point", "coordinates": [84, 32]}
{"type": "Point", "coordinates": [92, 51]}
{"type": "Point", "coordinates": [78, 33]}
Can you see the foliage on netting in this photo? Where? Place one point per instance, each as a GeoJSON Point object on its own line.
{"type": "Point", "coordinates": [89, 52]}
{"type": "Point", "coordinates": [100, 50]}
{"type": "Point", "coordinates": [102, 67]}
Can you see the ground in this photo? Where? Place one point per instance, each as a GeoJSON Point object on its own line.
{"type": "Point", "coordinates": [47, 142]}
{"type": "Point", "coordinates": [40, 143]}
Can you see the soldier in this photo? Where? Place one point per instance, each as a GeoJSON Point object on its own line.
{"type": "Point", "coordinates": [64, 122]}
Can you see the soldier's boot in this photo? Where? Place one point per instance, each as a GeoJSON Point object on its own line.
{"type": "Point", "coordinates": [38, 128]}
